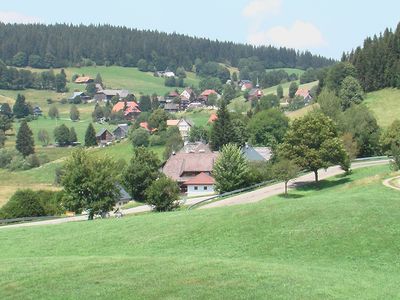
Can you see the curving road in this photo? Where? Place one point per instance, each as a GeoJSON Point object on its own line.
{"type": "Point", "coordinates": [249, 197]}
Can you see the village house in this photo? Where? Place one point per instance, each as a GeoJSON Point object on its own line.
{"type": "Point", "coordinates": [104, 137]}
{"type": "Point", "coordinates": [130, 108]}
{"type": "Point", "coordinates": [305, 94]}
{"type": "Point", "coordinates": [104, 95]}
{"type": "Point", "coordinates": [171, 107]}
{"type": "Point", "coordinates": [255, 94]}
{"type": "Point", "coordinates": [183, 125]}
{"type": "Point", "coordinates": [201, 184]}
{"type": "Point", "coordinates": [205, 94]}
{"type": "Point", "coordinates": [256, 154]}
{"type": "Point", "coordinates": [83, 80]}
{"type": "Point", "coordinates": [212, 118]}
{"type": "Point", "coordinates": [121, 131]}
{"type": "Point", "coordinates": [188, 163]}
{"type": "Point", "coordinates": [246, 86]}
{"type": "Point", "coordinates": [165, 74]}
{"type": "Point", "coordinates": [123, 198]}
{"type": "Point", "coordinates": [146, 126]}
{"type": "Point", "coordinates": [84, 97]}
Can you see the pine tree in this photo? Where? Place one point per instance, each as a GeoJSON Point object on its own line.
{"type": "Point", "coordinates": [90, 136]}
{"type": "Point", "coordinates": [74, 113]}
{"type": "Point", "coordinates": [72, 136]}
{"type": "Point", "coordinates": [20, 108]}
{"type": "Point", "coordinates": [279, 92]}
{"type": "Point", "coordinates": [25, 143]}
{"type": "Point", "coordinates": [222, 131]}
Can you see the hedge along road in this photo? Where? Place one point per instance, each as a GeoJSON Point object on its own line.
{"type": "Point", "coordinates": [249, 197]}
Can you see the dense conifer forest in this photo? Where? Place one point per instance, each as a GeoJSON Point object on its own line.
{"type": "Point", "coordinates": [378, 61]}
{"type": "Point", "coordinates": [62, 45]}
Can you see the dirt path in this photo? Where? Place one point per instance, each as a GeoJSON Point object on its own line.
{"type": "Point", "coordinates": [387, 183]}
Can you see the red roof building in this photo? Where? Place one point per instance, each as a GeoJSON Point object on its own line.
{"type": "Point", "coordinates": [212, 118]}
{"type": "Point", "coordinates": [201, 184]}
{"type": "Point", "coordinates": [83, 79]}
{"type": "Point", "coordinates": [207, 93]}
{"type": "Point", "coordinates": [131, 108]}
{"type": "Point", "coordinates": [201, 179]}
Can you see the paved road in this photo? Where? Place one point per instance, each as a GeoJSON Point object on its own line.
{"type": "Point", "coordinates": [249, 197]}
{"type": "Point", "coordinates": [276, 189]}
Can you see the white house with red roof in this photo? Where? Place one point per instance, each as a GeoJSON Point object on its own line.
{"type": "Point", "coordinates": [202, 184]}
{"type": "Point", "coordinates": [304, 93]}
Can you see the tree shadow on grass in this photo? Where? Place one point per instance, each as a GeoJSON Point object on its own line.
{"type": "Point", "coordinates": [290, 196]}
{"type": "Point", "coordinates": [323, 184]}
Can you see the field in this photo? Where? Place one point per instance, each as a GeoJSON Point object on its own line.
{"type": "Point", "coordinates": [385, 104]}
{"type": "Point", "coordinates": [290, 71]}
{"type": "Point", "coordinates": [339, 240]}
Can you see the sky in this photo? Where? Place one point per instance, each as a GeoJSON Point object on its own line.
{"type": "Point", "coordinates": [325, 27]}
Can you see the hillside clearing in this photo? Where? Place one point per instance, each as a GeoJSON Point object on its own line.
{"type": "Point", "coordinates": [337, 240]}
{"type": "Point", "coordinates": [385, 104]}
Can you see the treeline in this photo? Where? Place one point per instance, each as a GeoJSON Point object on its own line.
{"type": "Point", "coordinates": [16, 79]}
{"type": "Point", "coordinates": [378, 61]}
{"type": "Point", "coordinates": [62, 45]}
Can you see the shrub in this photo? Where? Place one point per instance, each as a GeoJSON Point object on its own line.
{"type": "Point", "coordinates": [24, 203]}
{"type": "Point", "coordinates": [51, 202]}
{"type": "Point", "coordinates": [140, 137]}
{"type": "Point", "coordinates": [155, 140]}
{"type": "Point", "coordinates": [6, 156]}
{"type": "Point", "coordinates": [163, 194]}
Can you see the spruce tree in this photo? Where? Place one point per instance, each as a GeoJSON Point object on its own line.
{"type": "Point", "coordinates": [20, 108]}
{"type": "Point", "coordinates": [72, 136]}
{"type": "Point", "coordinates": [90, 136]}
{"type": "Point", "coordinates": [222, 131]}
{"type": "Point", "coordinates": [25, 144]}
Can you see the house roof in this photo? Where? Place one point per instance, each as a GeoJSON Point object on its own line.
{"type": "Point", "coordinates": [256, 92]}
{"type": "Point", "coordinates": [172, 122]}
{"type": "Point", "coordinates": [124, 127]}
{"type": "Point", "coordinates": [247, 85]}
{"type": "Point", "coordinates": [303, 92]}
{"type": "Point", "coordinates": [180, 163]}
{"type": "Point", "coordinates": [212, 118]}
{"type": "Point", "coordinates": [182, 120]}
{"type": "Point", "coordinates": [173, 94]}
{"type": "Point", "coordinates": [123, 194]}
{"type": "Point", "coordinates": [111, 93]}
{"type": "Point", "coordinates": [171, 106]}
{"type": "Point", "coordinates": [145, 125]}
{"type": "Point", "coordinates": [121, 104]}
{"type": "Point", "coordinates": [83, 79]}
{"type": "Point", "coordinates": [102, 131]}
{"type": "Point", "coordinates": [207, 93]}
{"type": "Point", "coordinates": [202, 178]}
{"type": "Point", "coordinates": [256, 153]}
{"type": "Point", "coordinates": [76, 94]}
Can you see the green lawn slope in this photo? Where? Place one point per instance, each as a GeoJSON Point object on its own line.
{"type": "Point", "coordinates": [385, 104]}
{"type": "Point", "coordinates": [337, 241]}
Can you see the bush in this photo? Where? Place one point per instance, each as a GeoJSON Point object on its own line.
{"type": "Point", "coordinates": [156, 140]}
{"type": "Point", "coordinates": [51, 202]}
{"type": "Point", "coordinates": [140, 137]}
{"type": "Point", "coordinates": [18, 163]}
{"type": "Point", "coordinates": [163, 194]}
{"type": "Point", "coordinates": [32, 161]}
{"type": "Point", "coordinates": [24, 203]}
{"type": "Point", "coordinates": [64, 101]}
{"type": "Point", "coordinates": [6, 156]}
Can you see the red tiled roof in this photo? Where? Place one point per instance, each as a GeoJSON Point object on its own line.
{"type": "Point", "coordinates": [303, 93]}
{"type": "Point", "coordinates": [213, 118]}
{"type": "Point", "coordinates": [130, 105]}
{"type": "Point", "coordinates": [202, 178]}
{"type": "Point", "coordinates": [172, 122]}
{"type": "Point", "coordinates": [180, 163]}
{"type": "Point", "coordinates": [145, 125]}
{"type": "Point", "coordinates": [208, 93]}
{"type": "Point", "coordinates": [83, 79]}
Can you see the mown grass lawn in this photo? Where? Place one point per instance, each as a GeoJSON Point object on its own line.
{"type": "Point", "coordinates": [337, 241]}
{"type": "Point", "coordinates": [385, 104]}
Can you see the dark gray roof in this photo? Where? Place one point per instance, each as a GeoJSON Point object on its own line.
{"type": "Point", "coordinates": [123, 194]}
{"type": "Point", "coordinates": [101, 131]}
{"type": "Point", "coordinates": [124, 127]}
{"type": "Point", "coordinates": [257, 153]}
{"type": "Point", "coordinates": [171, 106]}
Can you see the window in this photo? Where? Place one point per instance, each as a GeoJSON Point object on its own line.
{"type": "Point", "coordinates": [196, 188]}
{"type": "Point", "coordinates": [205, 188]}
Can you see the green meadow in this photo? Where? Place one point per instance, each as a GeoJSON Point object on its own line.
{"type": "Point", "coordinates": [338, 240]}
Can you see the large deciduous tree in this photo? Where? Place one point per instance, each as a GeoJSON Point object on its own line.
{"type": "Point", "coordinates": [163, 194]}
{"type": "Point", "coordinates": [25, 143]}
{"type": "Point", "coordinates": [231, 170]}
{"type": "Point", "coordinates": [90, 183]}
{"type": "Point", "coordinates": [350, 92]}
{"type": "Point", "coordinates": [285, 170]}
{"type": "Point", "coordinates": [312, 142]}
{"type": "Point", "coordinates": [141, 172]}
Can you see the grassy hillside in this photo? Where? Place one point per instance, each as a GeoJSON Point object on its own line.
{"type": "Point", "coordinates": [337, 241]}
{"type": "Point", "coordinates": [290, 71]}
{"type": "Point", "coordinates": [385, 104]}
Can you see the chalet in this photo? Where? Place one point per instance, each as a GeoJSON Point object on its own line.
{"type": "Point", "coordinates": [186, 94]}
{"type": "Point", "coordinates": [103, 95]}
{"type": "Point", "coordinates": [205, 94]}
{"type": "Point", "coordinates": [202, 184]}
{"type": "Point", "coordinates": [104, 136]}
{"type": "Point", "coordinates": [255, 94]}
{"type": "Point", "coordinates": [37, 111]}
{"type": "Point", "coordinates": [83, 80]}
{"type": "Point", "coordinates": [171, 107]}
{"type": "Point", "coordinates": [121, 131]}
{"type": "Point", "coordinates": [256, 154]}
{"type": "Point", "coordinates": [184, 166]}
{"type": "Point", "coordinates": [246, 86]}
{"type": "Point", "coordinates": [171, 96]}
{"type": "Point", "coordinates": [183, 125]}
{"type": "Point", "coordinates": [212, 118]}
{"type": "Point", "coordinates": [84, 97]}
{"type": "Point", "coordinates": [130, 108]}
{"type": "Point", "coordinates": [305, 94]}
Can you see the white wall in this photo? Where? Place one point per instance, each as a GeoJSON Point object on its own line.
{"type": "Point", "coordinates": [200, 190]}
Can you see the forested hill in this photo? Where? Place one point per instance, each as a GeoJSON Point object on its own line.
{"type": "Point", "coordinates": [60, 45]}
{"type": "Point", "coordinates": [378, 61]}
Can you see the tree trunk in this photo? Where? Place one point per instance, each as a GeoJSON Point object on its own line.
{"type": "Point", "coordinates": [286, 188]}
{"type": "Point", "coordinates": [316, 176]}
